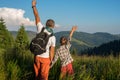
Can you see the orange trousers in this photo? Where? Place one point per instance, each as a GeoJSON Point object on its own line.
{"type": "Point", "coordinates": [41, 68]}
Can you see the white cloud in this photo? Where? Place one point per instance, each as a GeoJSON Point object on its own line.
{"type": "Point", "coordinates": [15, 17]}
{"type": "Point", "coordinates": [57, 26]}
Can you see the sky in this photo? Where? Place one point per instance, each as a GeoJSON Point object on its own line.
{"type": "Point", "coordinates": [90, 16]}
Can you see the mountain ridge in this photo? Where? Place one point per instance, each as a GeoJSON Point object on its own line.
{"type": "Point", "coordinates": [80, 40]}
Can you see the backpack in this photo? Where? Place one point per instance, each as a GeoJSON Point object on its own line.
{"type": "Point", "coordinates": [38, 44]}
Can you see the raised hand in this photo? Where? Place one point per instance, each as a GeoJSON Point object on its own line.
{"type": "Point", "coordinates": [37, 18]}
{"type": "Point", "coordinates": [74, 28]}
{"type": "Point", "coordinates": [33, 2]}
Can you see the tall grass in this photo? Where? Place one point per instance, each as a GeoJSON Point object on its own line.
{"type": "Point", "coordinates": [55, 71]}
{"type": "Point", "coordinates": [13, 71]}
{"type": "Point", "coordinates": [91, 68]}
{"type": "Point", "coordinates": [2, 72]}
{"type": "Point", "coordinates": [97, 68]}
{"type": "Point", "coordinates": [15, 66]}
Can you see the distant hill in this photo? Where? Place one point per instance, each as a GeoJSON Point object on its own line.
{"type": "Point", "coordinates": [30, 34]}
{"type": "Point", "coordinates": [118, 35]}
{"type": "Point", "coordinates": [112, 47]}
{"type": "Point", "coordinates": [81, 40]}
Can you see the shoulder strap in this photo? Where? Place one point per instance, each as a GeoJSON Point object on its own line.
{"type": "Point", "coordinates": [42, 29]}
{"type": "Point", "coordinates": [51, 34]}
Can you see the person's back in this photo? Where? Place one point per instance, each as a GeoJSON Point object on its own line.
{"type": "Point", "coordinates": [64, 54]}
{"type": "Point", "coordinates": [42, 61]}
{"type": "Point", "coordinates": [51, 41]}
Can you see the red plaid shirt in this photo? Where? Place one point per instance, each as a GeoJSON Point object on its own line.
{"type": "Point", "coordinates": [64, 54]}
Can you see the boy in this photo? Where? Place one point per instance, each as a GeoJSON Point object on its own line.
{"type": "Point", "coordinates": [64, 54]}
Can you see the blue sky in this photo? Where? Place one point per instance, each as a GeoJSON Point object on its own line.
{"type": "Point", "coordinates": [89, 15]}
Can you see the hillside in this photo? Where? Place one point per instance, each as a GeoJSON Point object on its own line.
{"type": "Point", "coordinates": [81, 40]}
{"type": "Point", "coordinates": [105, 49]}
{"type": "Point", "coordinates": [30, 34]}
{"type": "Point", "coordinates": [118, 35]}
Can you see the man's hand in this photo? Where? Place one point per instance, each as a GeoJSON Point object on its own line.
{"type": "Point", "coordinates": [52, 49]}
{"type": "Point", "coordinates": [34, 3]}
{"type": "Point", "coordinates": [37, 18]}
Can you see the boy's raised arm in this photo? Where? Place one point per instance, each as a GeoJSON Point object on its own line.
{"type": "Point", "coordinates": [37, 18]}
{"type": "Point", "coordinates": [74, 28]}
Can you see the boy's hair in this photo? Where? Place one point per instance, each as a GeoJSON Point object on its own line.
{"type": "Point", "coordinates": [63, 38]}
{"type": "Point", "coordinates": [50, 23]}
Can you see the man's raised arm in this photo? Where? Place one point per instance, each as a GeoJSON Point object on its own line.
{"type": "Point", "coordinates": [37, 18]}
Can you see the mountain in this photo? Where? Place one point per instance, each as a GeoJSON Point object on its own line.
{"type": "Point", "coordinates": [118, 35]}
{"type": "Point", "coordinates": [30, 34]}
{"type": "Point", "coordinates": [81, 40]}
{"type": "Point", "coordinates": [95, 39]}
{"type": "Point", "coordinates": [105, 49]}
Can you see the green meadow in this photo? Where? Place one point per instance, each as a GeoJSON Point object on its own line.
{"type": "Point", "coordinates": [20, 67]}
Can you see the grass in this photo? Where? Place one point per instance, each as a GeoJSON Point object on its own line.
{"type": "Point", "coordinates": [20, 67]}
{"type": "Point", "coordinates": [97, 68]}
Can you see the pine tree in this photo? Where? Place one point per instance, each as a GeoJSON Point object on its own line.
{"type": "Point", "coordinates": [21, 41]}
{"type": "Point", "coordinates": [6, 39]}
{"type": "Point", "coordinates": [21, 47]}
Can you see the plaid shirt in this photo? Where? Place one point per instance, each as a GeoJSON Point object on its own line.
{"type": "Point", "coordinates": [64, 54]}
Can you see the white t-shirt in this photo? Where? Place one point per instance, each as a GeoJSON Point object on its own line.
{"type": "Point", "coordinates": [51, 41]}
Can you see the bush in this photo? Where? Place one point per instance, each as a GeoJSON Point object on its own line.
{"type": "Point", "coordinates": [13, 71]}
{"type": "Point", "coordinates": [2, 72]}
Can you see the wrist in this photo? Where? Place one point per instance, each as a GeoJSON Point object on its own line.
{"type": "Point", "coordinates": [33, 6]}
{"type": "Point", "coordinates": [50, 59]}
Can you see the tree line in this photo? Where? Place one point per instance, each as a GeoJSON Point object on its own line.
{"type": "Point", "coordinates": [106, 49]}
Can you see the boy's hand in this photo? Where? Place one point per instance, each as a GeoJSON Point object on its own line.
{"type": "Point", "coordinates": [74, 28]}
{"type": "Point", "coordinates": [34, 3]}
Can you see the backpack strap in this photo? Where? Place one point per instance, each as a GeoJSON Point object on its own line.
{"type": "Point", "coordinates": [51, 34]}
{"type": "Point", "coordinates": [42, 29]}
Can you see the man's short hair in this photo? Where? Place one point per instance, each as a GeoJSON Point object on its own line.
{"type": "Point", "coordinates": [50, 23]}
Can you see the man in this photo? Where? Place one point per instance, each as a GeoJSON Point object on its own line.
{"type": "Point", "coordinates": [42, 61]}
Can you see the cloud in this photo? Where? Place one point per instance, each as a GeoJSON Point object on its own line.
{"type": "Point", "coordinates": [57, 26]}
{"type": "Point", "coordinates": [15, 17]}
